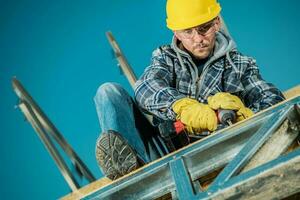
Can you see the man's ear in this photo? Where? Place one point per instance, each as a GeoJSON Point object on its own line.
{"type": "Point", "coordinates": [177, 35]}
{"type": "Point", "coordinates": [218, 23]}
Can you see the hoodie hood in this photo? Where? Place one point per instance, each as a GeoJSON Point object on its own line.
{"type": "Point", "coordinates": [223, 45]}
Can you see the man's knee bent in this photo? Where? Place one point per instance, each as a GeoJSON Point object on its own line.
{"type": "Point", "coordinates": [110, 91]}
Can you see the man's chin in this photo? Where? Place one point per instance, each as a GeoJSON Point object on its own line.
{"type": "Point", "coordinates": [201, 54]}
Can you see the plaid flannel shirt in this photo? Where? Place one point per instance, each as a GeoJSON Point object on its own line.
{"type": "Point", "coordinates": [166, 81]}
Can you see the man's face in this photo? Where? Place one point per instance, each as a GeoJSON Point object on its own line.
{"type": "Point", "coordinates": [199, 41]}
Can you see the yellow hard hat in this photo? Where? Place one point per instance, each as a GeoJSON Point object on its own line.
{"type": "Point", "coordinates": [183, 14]}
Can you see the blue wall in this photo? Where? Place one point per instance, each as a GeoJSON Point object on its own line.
{"type": "Point", "coordinates": [59, 51]}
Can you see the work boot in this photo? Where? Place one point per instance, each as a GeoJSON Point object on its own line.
{"type": "Point", "coordinates": [114, 155]}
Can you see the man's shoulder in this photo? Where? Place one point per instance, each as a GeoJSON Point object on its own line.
{"type": "Point", "coordinates": [164, 51]}
{"type": "Point", "coordinates": [239, 58]}
{"type": "Point", "coordinates": [240, 62]}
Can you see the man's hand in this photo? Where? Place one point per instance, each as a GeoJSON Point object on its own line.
{"type": "Point", "coordinates": [224, 100]}
{"type": "Point", "coordinates": [196, 116]}
{"type": "Point", "coordinates": [243, 113]}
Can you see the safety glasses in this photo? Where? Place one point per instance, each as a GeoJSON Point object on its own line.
{"type": "Point", "coordinates": [203, 30]}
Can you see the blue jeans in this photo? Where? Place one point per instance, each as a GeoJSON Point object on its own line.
{"type": "Point", "coordinates": [117, 111]}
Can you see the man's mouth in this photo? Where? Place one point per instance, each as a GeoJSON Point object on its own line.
{"type": "Point", "coordinates": [201, 46]}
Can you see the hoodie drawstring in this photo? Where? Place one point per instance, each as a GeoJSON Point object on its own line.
{"type": "Point", "coordinates": [232, 63]}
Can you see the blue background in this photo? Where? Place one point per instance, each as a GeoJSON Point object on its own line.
{"type": "Point", "coordinates": [59, 51]}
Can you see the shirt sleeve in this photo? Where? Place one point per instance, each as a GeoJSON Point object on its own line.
{"type": "Point", "coordinates": [155, 90]}
{"type": "Point", "coordinates": [258, 94]}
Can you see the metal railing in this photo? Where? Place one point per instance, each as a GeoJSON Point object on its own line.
{"type": "Point", "coordinates": [49, 134]}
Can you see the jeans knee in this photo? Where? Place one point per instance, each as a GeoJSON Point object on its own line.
{"type": "Point", "coordinates": [110, 91]}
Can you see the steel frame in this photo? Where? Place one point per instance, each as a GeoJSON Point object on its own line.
{"type": "Point", "coordinates": [232, 149]}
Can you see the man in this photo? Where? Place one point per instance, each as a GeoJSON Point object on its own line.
{"type": "Point", "coordinates": [199, 73]}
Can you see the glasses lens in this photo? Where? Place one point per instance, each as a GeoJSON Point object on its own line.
{"type": "Point", "coordinates": [202, 30]}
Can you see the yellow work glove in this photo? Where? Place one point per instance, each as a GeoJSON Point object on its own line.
{"type": "Point", "coordinates": [196, 116]}
{"type": "Point", "coordinates": [243, 113]}
{"type": "Point", "coordinates": [224, 100]}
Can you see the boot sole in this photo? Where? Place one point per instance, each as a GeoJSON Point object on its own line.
{"type": "Point", "coordinates": [115, 156]}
